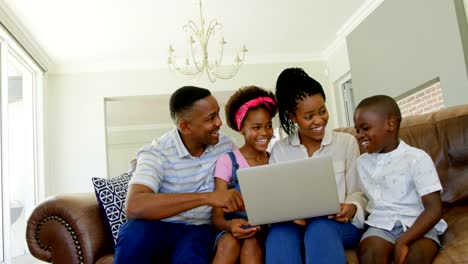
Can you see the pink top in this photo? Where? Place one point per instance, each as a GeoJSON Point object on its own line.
{"type": "Point", "coordinates": [223, 167]}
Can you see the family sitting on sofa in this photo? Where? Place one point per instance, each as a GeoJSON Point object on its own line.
{"type": "Point", "coordinates": [185, 183]}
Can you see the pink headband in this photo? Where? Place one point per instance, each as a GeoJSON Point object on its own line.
{"type": "Point", "coordinates": [240, 114]}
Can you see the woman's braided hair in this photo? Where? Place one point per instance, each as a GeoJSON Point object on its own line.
{"type": "Point", "coordinates": [292, 86]}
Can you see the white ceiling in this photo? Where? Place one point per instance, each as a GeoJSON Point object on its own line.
{"type": "Point", "coordinates": [102, 34]}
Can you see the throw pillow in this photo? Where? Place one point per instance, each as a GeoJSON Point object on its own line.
{"type": "Point", "coordinates": [111, 194]}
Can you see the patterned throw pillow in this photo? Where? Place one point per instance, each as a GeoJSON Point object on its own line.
{"type": "Point", "coordinates": [111, 194]}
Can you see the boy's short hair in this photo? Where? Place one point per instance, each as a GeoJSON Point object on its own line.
{"type": "Point", "coordinates": [184, 98]}
{"type": "Point", "coordinates": [242, 96]}
{"type": "Point", "coordinates": [385, 105]}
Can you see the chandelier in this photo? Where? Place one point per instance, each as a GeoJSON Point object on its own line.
{"type": "Point", "coordinates": [199, 62]}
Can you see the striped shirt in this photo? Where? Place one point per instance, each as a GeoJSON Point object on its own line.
{"type": "Point", "coordinates": [166, 166]}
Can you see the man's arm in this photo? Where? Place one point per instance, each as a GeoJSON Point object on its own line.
{"type": "Point", "coordinates": [218, 213]}
{"type": "Point", "coordinates": [143, 203]}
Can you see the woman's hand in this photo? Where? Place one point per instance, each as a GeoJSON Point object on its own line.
{"type": "Point", "coordinates": [239, 232]}
{"type": "Point", "coordinates": [347, 213]}
{"type": "Point", "coordinates": [301, 222]}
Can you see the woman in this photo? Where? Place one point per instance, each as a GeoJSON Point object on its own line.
{"type": "Point", "coordinates": [304, 117]}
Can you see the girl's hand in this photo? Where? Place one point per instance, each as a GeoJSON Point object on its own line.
{"type": "Point", "coordinates": [242, 233]}
{"type": "Point", "coordinates": [347, 213]}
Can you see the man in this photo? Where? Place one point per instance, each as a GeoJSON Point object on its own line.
{"type": "Point", "coordinates": [170, 196]}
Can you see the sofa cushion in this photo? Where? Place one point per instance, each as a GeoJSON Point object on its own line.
{"type": "Point", "coordinates": [444, 136]}
{"type": "Point", "coordinates": [455, 239]}
{"type": "Point", "coordinates": [111, 194]}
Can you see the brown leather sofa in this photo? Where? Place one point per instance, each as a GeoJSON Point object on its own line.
{"type": "Point", "coordinates": [71, 229]}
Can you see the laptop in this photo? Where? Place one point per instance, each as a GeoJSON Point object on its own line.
{"type": "Point", "coordinates": [291, 190]}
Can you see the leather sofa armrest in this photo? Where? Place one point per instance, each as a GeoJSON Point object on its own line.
{"type": "Point", "coordinates": [68, 229]}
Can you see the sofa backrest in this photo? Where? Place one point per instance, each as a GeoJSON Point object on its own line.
{"type": "Point", "coordinates": [444, 136]}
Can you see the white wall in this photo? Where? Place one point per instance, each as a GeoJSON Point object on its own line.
{"type": "Point", "coordinates": [338, 62]}
{"type": "Point", "coordinates": [404, 44]}
{"type": "Point", "coordinates": [460, 10]}
{"type": "Point", "coordinates": [75, 146]}
{"type": "Point", "coordinates": [131, 123]}
{"type": "Point", "coordinates": [465, 3]}
{"type": "Point", "coordinates": [338, 71]}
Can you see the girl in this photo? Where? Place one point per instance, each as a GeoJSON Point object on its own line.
{"type": "Point", "coordinates": [248, 111]}
{"type": "Point", "coordinates": [304, 116]}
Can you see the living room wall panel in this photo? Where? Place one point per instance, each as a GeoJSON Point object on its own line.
{"type": "Point", "coordinates": [404, 44]}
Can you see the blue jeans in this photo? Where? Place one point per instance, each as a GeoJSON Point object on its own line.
{"type": "Point", "coordinates": [141, 242]}
{"type": "Point", "coordinates": [321, 241]}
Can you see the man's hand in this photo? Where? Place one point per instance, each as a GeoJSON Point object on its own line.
{"type": "Point", "coordinates": [230, 200]}
{"type": "Point", "coordinates": [347, 213]}
{"type": "Point", "coordinates": [400, 252]}
{"type": "Point", "coordinates": [242, 233]}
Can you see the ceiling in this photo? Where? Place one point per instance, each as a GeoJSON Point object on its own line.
{"type": "Point", "coordinates": [97, 35]}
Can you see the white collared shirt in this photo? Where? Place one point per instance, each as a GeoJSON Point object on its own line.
{"type": "Point", "coordinates": [395, 182]}
{"type": "Point", "coordinates": [343, 148]}
{"type": "Point", "coordinates": [166, 166]}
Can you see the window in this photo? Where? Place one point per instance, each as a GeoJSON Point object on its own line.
{"type": "Point", "coordinates": [20, 145]}
{"type": "Point", "coordinates": [349, 104]}
{"type": "Point", "coordinates": [345, 101]}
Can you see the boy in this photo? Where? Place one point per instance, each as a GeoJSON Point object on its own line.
{"type": "Point", "coordinates": [403, 188]}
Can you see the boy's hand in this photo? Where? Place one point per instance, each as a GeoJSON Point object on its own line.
{"type": "Point", "coordinates": [242, 233]}
{"type": "Point", "coordinates": [347, 213]}
{"type": "Point", "coordinates": [400, 252]}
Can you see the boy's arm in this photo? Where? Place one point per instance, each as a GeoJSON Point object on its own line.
{"type": "Point", "coordinates": [429, 217]}
{"type": "Point", "coordinates": [355, 194]}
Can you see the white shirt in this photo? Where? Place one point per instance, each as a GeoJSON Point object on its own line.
{"type": "Point", "coordinates": [166, 166]}
{"type": "Point", "coordinates": [343, 148]}
{"type": "Point", "coordinates": [394, 183]}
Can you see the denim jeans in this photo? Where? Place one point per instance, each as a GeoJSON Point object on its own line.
{"type": "Point", "coordinates": [141, 242]}
{"type": "Point", "coordinates": [321, 241]}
